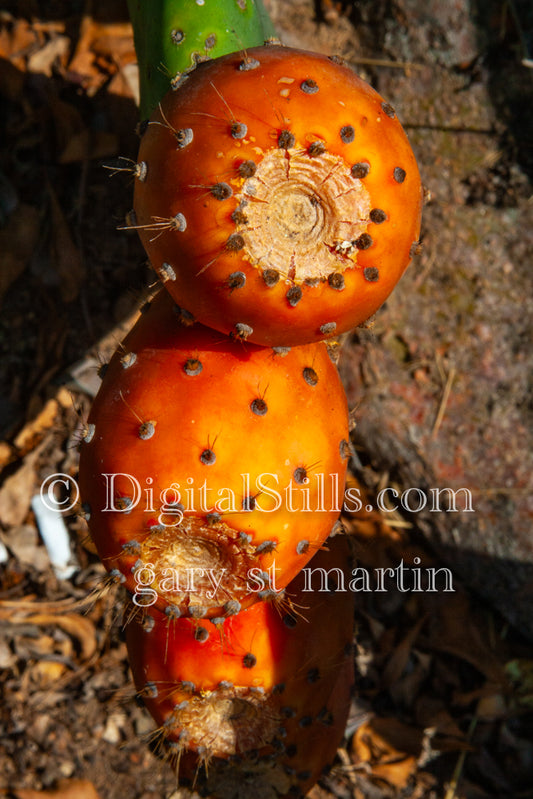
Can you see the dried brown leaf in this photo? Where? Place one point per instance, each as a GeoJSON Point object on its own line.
{"type": "Point", "coordinates": [400, 657]}
{"type": "Point", "coordinates": [125, 83]}
{"type": "Point", "coordinates": [458, 630]}
{"type": "Point", "coordinates": [78, 627]}
{"type": "Point", "coordinates": [18, 240]}
{"type": "Point", "coordinates": [46, 672]}
{"type": "Point", "coordinates": [83, 63]}
{"type": "Point", "coordinates": [431, 712]}
{"type": "Point", "coordinates": [24, 542]}
{"type": "Point", "coordinates": [17, 491]}
{"type": "Point", "coordinates": [390, 747]}
{"type": "Point", "coordinates": [46, 57]}
{"type": "Point", "coordinates": [444, 733]}
{"type": "Point", "coordinates": [400, 736]}
{"type": "Point", "coordinates": [17, 41]}
{"type": "Point", "coordinates": [33, 432]}
{"type": "Point", "coordinates": [7, 454]}
{"type": "Point", "coordinates": [397, 772]}
{"type": "Point", "coordinates": [66, 789]}
{"type": "Point", "coordinates": [114, 40]}
{"type": "Point", "coordinates": [65, 256]}
{"type": "Point", "coordinates": [100, 51]}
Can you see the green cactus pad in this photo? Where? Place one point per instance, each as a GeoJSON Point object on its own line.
{"type": "Point", "coordinates": [172, 35]}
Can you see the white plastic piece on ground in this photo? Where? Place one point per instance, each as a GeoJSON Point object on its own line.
{"type": "Point", "coordinates": [55, 537]}
{"type": "Point", "coordinates": [4, 554]}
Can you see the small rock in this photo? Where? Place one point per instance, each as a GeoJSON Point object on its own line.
{"type": "Point", "coordinates": [112, 733]}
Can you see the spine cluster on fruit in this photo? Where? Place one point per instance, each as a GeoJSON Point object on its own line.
{"type": "Point", "coordinates": [278, 200]}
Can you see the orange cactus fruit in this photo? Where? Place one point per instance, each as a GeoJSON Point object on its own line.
{"type": "Point", "coordinates": [211, 469]}
{"type": "Point", "coordinates": [276, 192]}
{"type": "Point", "coordinates": [268, 688]}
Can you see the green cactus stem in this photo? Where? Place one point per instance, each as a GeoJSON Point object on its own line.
{"type": "Point", "coordinates": [172, 35]}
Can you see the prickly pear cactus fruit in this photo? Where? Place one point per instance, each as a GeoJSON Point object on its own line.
{"type": "Point", "coordinates": [211, 470]}
{"type": "Point", "coordinates": [270, 685]}
{"type": "Point", "coordinates": [171, 36]}
{"type": "Point", "coordinates": [277, 194]}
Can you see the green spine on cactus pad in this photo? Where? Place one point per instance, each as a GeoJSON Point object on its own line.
{"type": "Point", "coordinates": [171, 35]}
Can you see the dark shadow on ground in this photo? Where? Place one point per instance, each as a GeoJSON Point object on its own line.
{"type": "Point", "coordinates": [504, 32]}
{"type": "Point", "coordinates": [70, 276]}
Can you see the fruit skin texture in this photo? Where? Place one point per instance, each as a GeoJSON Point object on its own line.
{"type": "Point", "coordinates": [285, 168]}
{"type": "Point", "coordinates": [252, 443]}
{"type": "Point", "coordinates": [170, 36]}
{"type": "Point", "coordinates": [284, 715]}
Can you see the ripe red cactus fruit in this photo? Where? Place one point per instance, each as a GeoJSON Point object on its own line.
{"type": "Point", "coordinates": [211, 469]}
{"type": "Point", "coordinates": [267, 686]}
{"type": "Point", "coordinates": [277, 193]}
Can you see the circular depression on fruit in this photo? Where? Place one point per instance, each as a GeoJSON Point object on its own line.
{"type": "Point", "coordinates": [296, 217]}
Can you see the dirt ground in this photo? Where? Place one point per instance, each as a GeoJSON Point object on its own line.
{"type": "Point", "coordinates": [439, 385]}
